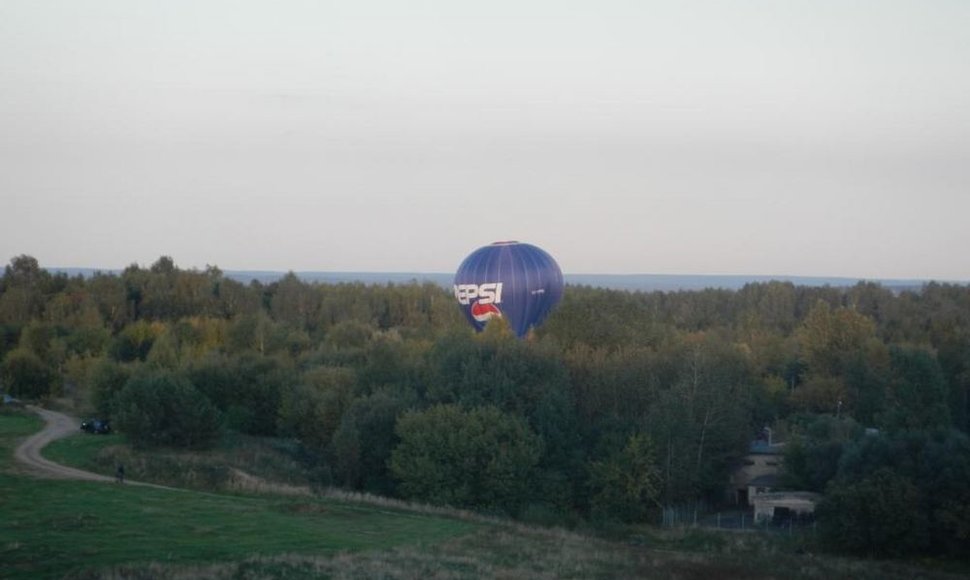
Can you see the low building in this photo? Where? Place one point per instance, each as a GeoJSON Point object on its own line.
{"type": "Point", "coordinates": [784, 505]}
{"type": "Point", "coordinates": [756, 473]}
{"type": "Point", "coordinates": [761, 485]}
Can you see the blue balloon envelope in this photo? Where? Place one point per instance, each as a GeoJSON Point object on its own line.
{"type": "Point", "coordinates": [511, 280]}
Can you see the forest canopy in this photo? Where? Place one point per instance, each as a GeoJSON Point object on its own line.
{"type": "Point", "coordinates": [621, 403]}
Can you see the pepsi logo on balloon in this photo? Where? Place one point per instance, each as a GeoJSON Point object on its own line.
{"type": "Point", "coordinates": [483, 312]}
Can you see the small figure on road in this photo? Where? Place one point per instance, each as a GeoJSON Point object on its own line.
{"type": "Point", "coordinates": [120, 473]}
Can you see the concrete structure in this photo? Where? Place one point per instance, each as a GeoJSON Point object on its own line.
{"type": "Point", "coordinates": [761, 485]}
{"type": "Point", "coordinates": [784, 505]}
{"type": "Point", "coordinates": [757, 473]}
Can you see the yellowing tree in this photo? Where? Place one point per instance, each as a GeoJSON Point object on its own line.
{"type": "Point", "coordinates": [827, 336]}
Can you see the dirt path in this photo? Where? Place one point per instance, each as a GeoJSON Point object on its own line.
{"type": "Point", "coordinates": [58, 426]}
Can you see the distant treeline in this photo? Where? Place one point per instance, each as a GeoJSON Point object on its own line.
{"type": "Point", "coordinates": [631, 282]}
{"type": "Point", "coordinates": [620, 404]}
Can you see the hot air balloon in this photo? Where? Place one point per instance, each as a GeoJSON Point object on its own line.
{"type": "Point", "coordinates": [518, 282]}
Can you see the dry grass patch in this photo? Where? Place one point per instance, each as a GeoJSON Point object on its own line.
{"type": "Point", "coordinates": [512, 551]}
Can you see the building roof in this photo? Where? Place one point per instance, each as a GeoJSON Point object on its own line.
{"type": "Point", "coordinates": [763, 448]}
{"type": "Point", "coordinates": [788, 495]}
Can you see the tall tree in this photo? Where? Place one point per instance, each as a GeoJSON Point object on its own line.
{"type": "Point", "coordinates": [22, 298]}
{"type": "Point", "coordinates": [481, 458]}
{"type": "Point", "coordinates": [701, 422]}
{"type": "Point", "coordinates": [917, 391]}
{"type": "Point", "coordinates": [628, 484]}
{"type": "Point", "coordinates": [877, 515]}
{"type": "Point", "coordinates": [24, 374]}
{"type": "Point", "coordinates": [161, 408]}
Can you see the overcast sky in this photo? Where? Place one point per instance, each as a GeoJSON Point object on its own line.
{"type": "Point", "coordinates": [798, 137]}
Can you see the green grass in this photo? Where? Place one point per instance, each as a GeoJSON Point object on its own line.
{"type": "Point", "coordinates": [84, 451]}
{"type": "Point", "coordinates": [14, 425]}
{"type": "Point", "coordinates": [533, 553]}
{"type": "Point", "coordinates": [50, 528]}
{"type": "Point", "coordinates": [97, 530]}
{"type": "Point", "coordinates": [209, 470]}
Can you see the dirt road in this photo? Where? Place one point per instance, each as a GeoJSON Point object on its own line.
{"type": "Point", "coordinates": [58, 426]}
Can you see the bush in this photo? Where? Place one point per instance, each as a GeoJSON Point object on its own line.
{"type": "Point", "coordinates": [901, 493]}
{"type": "Point", "coordinates": [24, 374]}
{"type": "Point", "coordinates": [107, 379]}
{"type": "Point", "coordinates": [164, 409]}
{"type": "Point", "coordinates": [878, 515]}
{"type": "Point", "coordinates": [627, 485]}
{"type": "Point", "coordinates": [482, 459]}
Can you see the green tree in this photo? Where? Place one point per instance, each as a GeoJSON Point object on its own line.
{"type": "Point", "coordinates": [165, 352]}
{"type": "Point", "coordinates": [954, 357]}
{"type": "Point", "coordinates": [37, 337]}
{"type": "Point", "coordinates": [878, 515]}
{"type": "Point", "coordinates": [917, 392]}
{"type": "Point", "coordinates": [819, 394]}
{"type": "Point", "coordinates": [937, 464]}
{"type": "Point", "coordinates": [162, 408]}
{"type": "Point", "coordinates": [349, 334]}
{"type": "Point", "coordinates": [522, 379]}
{"type": "Point", "coordinates": [813, 452]}
{"type": "Point", "coordinates": [255, 332]}
{"type": "Point", "coordinates": [254, 406]}
{"type": "Point", "coordinates": [109, 295]}
{"type": "Point", "coordinates": [293, 302]}
{"type": "Point", "coordinates": [701, 422]}
{"type": "Point", "coordinates": [390, 361]}
{"type": "Point", "coordinates": [135, 341]}
{"type": "Point", "coordinates": [827, 337]}
{"type": "Point", "coordinates": [106, 379]}
{"type": "Point", "coordinates": [482, 458]}
{"type": "Point", "coordinates": [216, 376]}
{"type": "Point", "coordinates": [24, 374]}
{"type": "Point", "coordinates": [627, 485]}
{"type": "Point", "coordinates": [361, 447]}
{"type": "Point", "coordinates": [22, 298]}
{"type": "Point", "coordinates": [311, 410]}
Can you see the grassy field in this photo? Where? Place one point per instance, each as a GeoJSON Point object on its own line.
{"type": "Point", "coordinates": [51, 528]}
{"type": "Point", "coordinates": [215, 469]}
{"type": "Point", "coordinates": [97, 530]}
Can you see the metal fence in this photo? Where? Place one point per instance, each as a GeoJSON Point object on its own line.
{"type": "Point", "coordinates": [700, 515]}
{"type": "Point", "coordinates": [688, 514]}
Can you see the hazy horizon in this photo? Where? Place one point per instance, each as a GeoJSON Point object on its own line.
{"type": "Point", "coordinates": [805, 138]}
{"type": "Point", "coordinates": [643, 281]}
{"type": "Point", "coordinates": [284, 270]}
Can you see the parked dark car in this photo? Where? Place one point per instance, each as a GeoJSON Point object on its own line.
{"type": "Point", "coordinates": [96, 426]}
